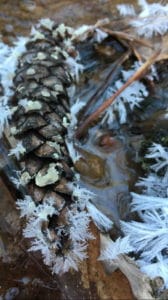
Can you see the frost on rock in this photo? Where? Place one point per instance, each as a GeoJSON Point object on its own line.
{"type": "Point", "coordinates": [132, 96]}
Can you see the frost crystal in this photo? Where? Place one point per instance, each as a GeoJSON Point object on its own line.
{"type": "Point", "coordinates": [99, 35]}
{"type": "Point", "coordinates": [5, 115]}
{"type": "Point", "coordinates": [152, 20]}
{"type": "Point", "coordinates": [143, 202]}
{"type": "Point", "coordinates": [71, 259]}
{"type": "Point", "coordinates": [151, 26]}
{"type": "Point", "coordinates": [76, 229]}
{"type": "Point", "coordinates": [75, 68]}
{"type": "Point", "coordinates": [157, 269]}
{"type": "Point", "coordinates": [153, 185]}
{"type": "Point", "coordinates": [8, 62]}
{"type": "Point", "coordinates": [26, 206]}
{"type": "Point", "coordinates": [132, 96]}
{"type": "Point", "coordinates": [160, 154]}
{"type": "Point", "coordinates": [149, 236]}
{"type": "Point", "coordinates": [110, 250]}
{"type": "Point", "coordinates": [81, 195]}
{"type": "Point", "coordinates": [101, 221]}
{"type": "Point", "coordinates": [79, 230]}
{"type": "Point", "coordinates": [18, 150]}
{"type": "Point", "coordinates": [126, 10]}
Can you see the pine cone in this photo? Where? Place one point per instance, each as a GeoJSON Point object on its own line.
{"type": "Point", "coordinates": [39, 124]}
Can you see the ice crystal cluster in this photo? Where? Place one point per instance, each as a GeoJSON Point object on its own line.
{"type": "Point", "coordinates": [8, 63]}
{"type": "Point", "coordinates": [77, 222]}
{"type": "Point", "coordinates": [148, 238]}
{"type": "Point", "coordinates": [130, 98]}
{"type": "Point", "coordinates": [76, 229]}
{"type": "Point", "coordinates": [151, 21]}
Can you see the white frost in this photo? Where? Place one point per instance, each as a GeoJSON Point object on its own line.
{"type": "Point", "coordinates": [110, 249]}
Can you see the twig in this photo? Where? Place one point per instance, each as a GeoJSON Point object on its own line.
{"type": "Point", "coordinates": [104, 86]}
{"type": "Point", "coordinates": [127, 37]}
{"type": "Point", "coordinates": [138, 74]}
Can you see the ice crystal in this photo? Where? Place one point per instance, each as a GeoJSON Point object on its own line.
{"type": "Point", "coordinates": [26, 206]}
{"type": "Point", "coordinates": [75, 67]}
{"type": "Point", "coordinates": [126, 10]}
{"type": "Point", "coordinates": [75, 108]}
{"type": "Point", "coordinates": [143, 202]}
{"type": "Point", "coordinates": [8, 62]}
{"type": "Point", "coordinates": [99, 35]}
{"type": "Point", "coordinates": [132, 96]}
{"type": "Point", "coordinates": [143, 234]}
{"type": "Point", "coordinates": [76, 229]}
{"type": "Point", "coordinates": [18, 150]}
{"type": "Point", "coordinates": [153, 185]}
{"type": "Point", "coordinates": [81, 195]}
{"type": "Point", "coordinates": [156, 269]}
{"type": "Point", "coordinates": [101, 220]}
{"type": "Point", "coordinates": [40, 212]}
{"type": "Point", "coordinates": [151, 26]}
{"type": "Point", "coordinates": [110, 249]}
{"type": "Point", "coordinates": [47, 23]}
{"type": "Point", "coordinates": [83, 198]}
{"type": "Point", "coordinates": [151, 21]}
{"type": "Point", "coordinates": [149, 235]}
{"type": "Point", "coordinates": [79, 225]}
{"type": "Point", "coordinates": [5, 115]}
{"type": "Point", "coordinates": [160, 154]}
{"type": "Point", "coordinates": [15, 181]}
{"type": "Point", "coordinates": [71, 259]}
{"type": "Point", "coordinates": [72, 150]}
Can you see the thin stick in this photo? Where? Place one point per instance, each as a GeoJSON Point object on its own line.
{"type": "Point", "coordinates": [127, 37]}
{"type": "Point", "coordinates": [103, 87]}
{"type": "Point", "coordinates": [138, 74]}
